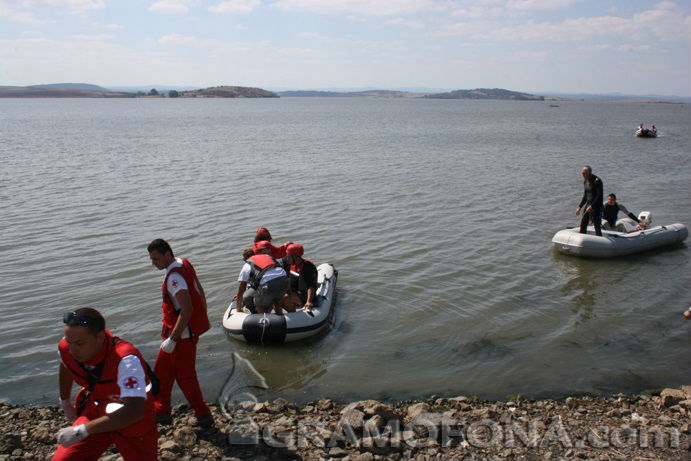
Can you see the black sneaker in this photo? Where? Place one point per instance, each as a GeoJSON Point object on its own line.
{"type": "Point", "coordinates": [164, 419]}
{"type": "Point", "coordinates": [204, 421]}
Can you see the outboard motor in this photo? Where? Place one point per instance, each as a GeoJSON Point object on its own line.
{"type": "Point", "coordinates": [645, 217]}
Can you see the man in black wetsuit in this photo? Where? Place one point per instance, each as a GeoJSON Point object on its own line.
{"type": "Point", "coordinates": [592, 198]}
{"type": "Point", "coordinates": [610, 211]}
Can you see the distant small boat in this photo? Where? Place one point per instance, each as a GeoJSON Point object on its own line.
{"type": "Point", "coordinates": [554, 105]}
{"type": "Point", "coordinates": [646, 133]}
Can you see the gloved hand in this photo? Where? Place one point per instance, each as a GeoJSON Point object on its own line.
{"type": "Point", "coordinates": [71, 435]}
{"type": "Point", "coordinates": [68, 409]}
{"type": "Point", "coordinates": [168, 345]}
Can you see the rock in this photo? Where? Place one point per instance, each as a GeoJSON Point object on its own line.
{"type": "Point", "coordinates": [169, 445]}
{"type": "Point", "coordinates": [414, 411]}
{"type": "Point", "coordinates": [671, 397]}
{"type": "Point", "coordinates": [324, 405]}
{"type": "Point", "coordinates": [337, 451]}
{"type": "Point", "coordinates": [352, 418]}
{"type": "Point", "coordinates": [371, 408]}
{"type": "Point", "coordinates": [185, 436]}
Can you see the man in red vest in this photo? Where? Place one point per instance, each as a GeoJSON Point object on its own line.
{"type": "Point", "coordinates": [184, 320]}
{"type": "Point", "coordinates": [267, 280]}
{"type": "Point", "coordinates": [114, 405]}
{"type": "Point", "coordinates": [263, 234]}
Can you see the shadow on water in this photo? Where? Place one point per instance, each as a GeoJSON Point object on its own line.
{"type": "Point", "coordinates": [580, 284]}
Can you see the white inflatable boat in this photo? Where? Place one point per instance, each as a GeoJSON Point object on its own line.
{"type": "Point", "coordinates": [288, 327]}
{"type": "Point", "coordinates": [626, 240]}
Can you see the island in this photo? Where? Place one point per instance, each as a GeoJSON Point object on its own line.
{"type": "Point", "coordinates": [486, 93]}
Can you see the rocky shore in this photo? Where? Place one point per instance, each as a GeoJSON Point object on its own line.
{"type": "Point", "coordinates": [623, 427]}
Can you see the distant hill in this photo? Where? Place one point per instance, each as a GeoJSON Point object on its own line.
{"type": "Point", "coordinates": [348, 94]}
{"type": "Point", "coordinates": [228, 92]}
{"type": "Point", "coordinates": [486, 93]}
{"type": "Point", "coordinates": [70, 86]}
{"type": "Point", "coordinates": [45, 91]}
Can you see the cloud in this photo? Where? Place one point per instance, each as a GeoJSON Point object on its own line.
{"type": "Point", "coordinates": [26, 18]}
{"type": "Point", "coordinates": [302, 53]}
{"type": "Point", "coordinates": [530, 5]}
{"type": "Point", "coordinates": [235, 6]}
{"type": "Point", "coordinates": [406, 23]}
{"type": "Point", "coordinates": [178, 39]}
{"type": "Point", "coordinates": [366, 7]}
{"type": "Point", "coordinates": [94, 37]}
{"type": "Point", "coordinates": [659, 23]}
{"type": "Point", "coordinates": [172, 6]}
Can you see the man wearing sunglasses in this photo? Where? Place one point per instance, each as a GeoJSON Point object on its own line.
{"type": "Point", "coordinates": [115, 404]}
{"type": "Point", "coordinates": [184, 320]}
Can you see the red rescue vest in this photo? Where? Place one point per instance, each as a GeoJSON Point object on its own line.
{"type": "Point", "coordinates": [104, 387]}
{"type": "Point", "coordinates": [199, 322]}
{"type": "Point", "coordinates": [260, 265]}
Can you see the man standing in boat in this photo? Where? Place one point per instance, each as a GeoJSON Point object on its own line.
{"type": "Point", "coordinates": [184, 320]}
{"type": "Point", "coordinates": [592, 199]}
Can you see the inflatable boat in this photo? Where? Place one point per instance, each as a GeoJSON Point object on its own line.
{"type": "Point", "coordinates": [646, 133]}
{"type": "Point", "coordinates": [288, 327]}
{"type": "Point", "coordinates": [627, 239]}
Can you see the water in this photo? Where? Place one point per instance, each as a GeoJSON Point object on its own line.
{"type": "Point", "coordinates": [437, 214]}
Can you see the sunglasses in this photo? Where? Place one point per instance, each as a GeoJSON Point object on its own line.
{"type": "Point", "coordinates": [73, 319]}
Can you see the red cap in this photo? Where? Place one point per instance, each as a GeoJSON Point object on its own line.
{"type": "Point", "coordinates": [261, 245]}
{"type": "Point", "coordinates": [295, 249]}
{"type": "Point", "coordinates": [262, 231]}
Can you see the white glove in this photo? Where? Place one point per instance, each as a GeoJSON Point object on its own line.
{"type": "Point", "coordinates": [168, 345]}
{"type": "Point", "coordinates": [71, 435]}
{"type": "Point", "coordinates": [68, 409]}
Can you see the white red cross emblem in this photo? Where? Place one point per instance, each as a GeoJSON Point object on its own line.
{"type": "Point", "coordinates": [131, 382]}
{"type": "Point", "coordinates": [175, 284]}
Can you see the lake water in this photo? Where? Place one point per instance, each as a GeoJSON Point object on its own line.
{"type": "Point", "coordinates": [437, 214]}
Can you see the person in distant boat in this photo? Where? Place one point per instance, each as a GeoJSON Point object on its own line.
{"type": "Point", "coordinates": [610, 211]}
{"type": "Point", "coordinates": [592, 199]}
{"type": "Point", "coordinates": [640, 127]}
{"type": "Point", "coordinates": [111, 373]}
{"type": "Point", "coordinates": [303, 279]}
{"type": "Point", "coordinates": [263, 234]}
{"type": "Point", "coordinates": [267, 280]}
{"type": "Point", "coordinates": [185, 318]}
{"type": "Point", "coordinates": [654, 129]}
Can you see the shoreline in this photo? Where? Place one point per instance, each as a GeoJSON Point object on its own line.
{"type": "Point", "coordinates": [620, 427]}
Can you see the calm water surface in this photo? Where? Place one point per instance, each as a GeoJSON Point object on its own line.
{"type": "Point", "coordinates": [437, 214]}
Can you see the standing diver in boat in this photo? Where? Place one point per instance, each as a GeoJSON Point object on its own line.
{"type": "Point", "coordinates": [610, 211]}
{"type": "Point", "coordinates": [592, 197]}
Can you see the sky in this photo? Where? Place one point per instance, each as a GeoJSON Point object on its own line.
{"type": "Point", "coordinates": [567, 46]}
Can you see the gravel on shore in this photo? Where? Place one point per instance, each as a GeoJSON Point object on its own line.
{"type": "Point", "coordinates": [621, 427]}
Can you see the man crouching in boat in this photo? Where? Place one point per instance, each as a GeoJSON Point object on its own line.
{"type": "Point", "coordinates": [267, 280]}
{"type": "Point", "coordinates": [112, 373]}
{"type": "Point", "coordinates": [610, 211]}
{"type": "Point", "coordinates": [303, 279]}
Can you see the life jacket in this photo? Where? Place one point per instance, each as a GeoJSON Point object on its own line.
{"type": "Point", "coordinates": [299, 285]}
{"type": "Point", "coordinates": [199, 322]}
{"type": "Point", "coordinates": [260, 265]}
{"type": "Point", "coordinates": [100, 386]}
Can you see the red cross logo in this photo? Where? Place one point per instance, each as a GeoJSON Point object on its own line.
{"type": "Point", "coordinates": [175, 284]}
{"type": "Point", "coordinates": [131, 382]}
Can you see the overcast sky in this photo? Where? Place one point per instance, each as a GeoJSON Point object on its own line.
{"type": "Point", "coordinates": [593, 46]}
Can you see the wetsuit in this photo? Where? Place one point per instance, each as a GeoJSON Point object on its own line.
{"type": "Point", "coordinates": [592, 196]}
{"type": "Point", "coordinates": [609, 212]}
